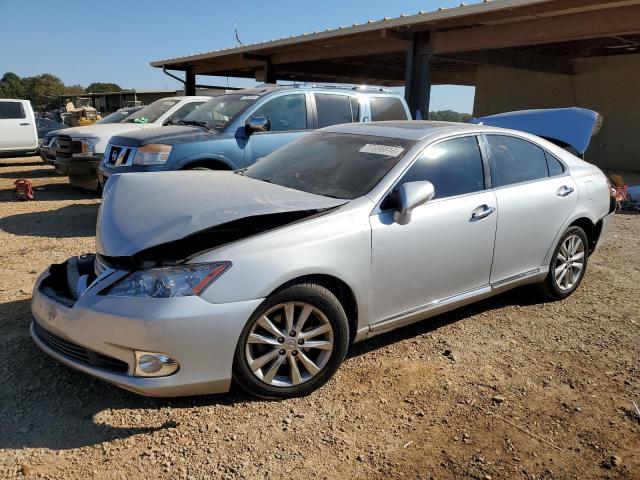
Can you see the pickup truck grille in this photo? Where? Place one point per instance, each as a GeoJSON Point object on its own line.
{"type": "Point", "coordinates": [67, 146]}
{"type": "Point", "coordinates": [117, 155]}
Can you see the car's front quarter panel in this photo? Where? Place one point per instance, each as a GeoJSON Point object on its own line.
{"type": "Point", "coordinates": [183, 328]}
{"type": "Point", "coordinates": [337, 244]}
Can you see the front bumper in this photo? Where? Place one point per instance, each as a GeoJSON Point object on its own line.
{"type": "Point", "coordinates": [82, 171]}
{"type": "Point", "coordinates": [200, 335]}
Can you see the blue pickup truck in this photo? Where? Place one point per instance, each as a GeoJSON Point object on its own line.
{"type": "Point", "coordinates": [232, 130]}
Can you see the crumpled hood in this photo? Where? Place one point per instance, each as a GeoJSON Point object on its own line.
{"type": "Point", "coordinates": [144, 210]}
{"type": "Point", "coordinates": [172, 135]}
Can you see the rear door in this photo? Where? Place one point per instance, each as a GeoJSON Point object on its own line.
{"type": "Point", "coordinates": [335, 108]}
{"type": "Point", "coordinates": [17, 128]}
{"type": "Point", "coordinates": [290, 118]}
{"type": "Point", "coordinates": [535, 197]}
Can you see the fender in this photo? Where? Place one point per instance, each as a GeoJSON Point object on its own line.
{"type": "Point", "coordinates": [200, 157]}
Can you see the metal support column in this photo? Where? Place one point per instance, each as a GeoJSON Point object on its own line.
{"type": "Point", "coordinates": [269, 72]}
{"type": "Point", "coordinates": [189, 83]}
{"type": "Point", "coordinates": [417, 89]}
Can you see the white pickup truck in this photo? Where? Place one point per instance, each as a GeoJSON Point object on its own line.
{"type": "Point", "coordinates": [80, 149]}
{"type": "Point", "coordinates": [18, 132]}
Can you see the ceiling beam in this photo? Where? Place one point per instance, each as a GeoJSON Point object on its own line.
{"type": "Point", "coordinates": [513, 59]}
{"type": "Point", "coordinates": [343, 70]}
{"type": "Point", "coordinates": [562, 28]}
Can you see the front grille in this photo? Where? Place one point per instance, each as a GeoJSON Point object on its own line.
{"type": "Point", "coordinates": [118, 155]}
{"type": "Point", "coordinates": [67, 147]}
{"type": "Point", "coordinates": [77, 352]}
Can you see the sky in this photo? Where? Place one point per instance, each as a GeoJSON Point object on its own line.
{"type": "Point", "coordinates": [113, 41]}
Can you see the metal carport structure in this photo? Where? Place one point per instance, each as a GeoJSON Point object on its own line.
{"type": "Point", "coordinates": [467, 45]}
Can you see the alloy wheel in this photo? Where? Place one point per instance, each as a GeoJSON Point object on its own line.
{"type": "Point", "coordinates": [289, 344]}
{"type": "Point", "coordinates": [569, 266]}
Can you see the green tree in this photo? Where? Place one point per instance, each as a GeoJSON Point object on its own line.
{"type": "Point", "coordinates": [99, 87]}
{"type": "Point", "coordinates": [12, 86]}
{"type": "Point", "coordinates": [449, 116]}
{"type": "Point", "coordinates": [73, 90]}
{"type": "Point", "coordinates": [44, 90]}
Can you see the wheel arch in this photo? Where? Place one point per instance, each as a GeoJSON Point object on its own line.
{"type": "Point", "coordinates": [342, 291]}
{"type": "Point", "coordinates": [591, 231]}
{"type": "Point", "coordinates": [212, 163]}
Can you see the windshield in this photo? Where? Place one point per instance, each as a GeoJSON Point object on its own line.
{"type": "Point", "coordinates": [332, 164]}
{"type": "Point", "coordinates": [218, 111]}
{"type": "Point", "coordinates": [151, 112]}
{"type": "Point", "coordinates": [115, 117]}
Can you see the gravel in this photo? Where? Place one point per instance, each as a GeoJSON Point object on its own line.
{"type": "Point", "coordinates": [527, 389]}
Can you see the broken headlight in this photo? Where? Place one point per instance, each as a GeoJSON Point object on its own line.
{"type": "Point", "coordinates": [168, 282]}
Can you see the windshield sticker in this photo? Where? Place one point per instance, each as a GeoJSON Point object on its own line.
{"type": "Point", "coordinates": [170, 103]}
{"type": "Point", "coordinates": [385, 150]}
{"type": "Point", "coordinates": [249, 97]}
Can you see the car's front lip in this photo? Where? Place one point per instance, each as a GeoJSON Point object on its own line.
{"type": "Point", "coordinates": [200, 335]}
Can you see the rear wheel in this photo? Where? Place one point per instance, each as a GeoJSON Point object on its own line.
{"type": "Point", "coordinates": [293, 343]}
{"type": "Point", "coordinates": [568, 264]}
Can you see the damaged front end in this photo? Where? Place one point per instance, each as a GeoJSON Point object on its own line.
{"type": "Point", "coordinates": [194, 213]}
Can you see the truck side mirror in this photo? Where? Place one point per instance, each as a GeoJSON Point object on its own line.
{"type": "Point", "coordinates": [257, 124]}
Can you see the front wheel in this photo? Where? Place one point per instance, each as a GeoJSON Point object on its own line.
{"type": "Point", "coordinates": [292, 344]}
{"type": "Point", "coordinates": [568, 264]}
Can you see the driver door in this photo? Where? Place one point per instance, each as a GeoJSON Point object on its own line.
{"type": "Point", "coordinates": [445, 250]}
{"type": "Point", "coordinates": [289, 116]}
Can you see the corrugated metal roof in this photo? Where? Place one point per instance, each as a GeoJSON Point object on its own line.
{"type": "Point", "coordinates": [403, 20]}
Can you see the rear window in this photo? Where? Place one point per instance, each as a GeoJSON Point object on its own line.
{"type": "Point", "coordinates": [11, 110]}
{"type": "Point", "coordinates": [514, 160]}
{"type": "Point", "coordinates": [333, 109]}
{"type": "Point", "coordinates": [387, 108]}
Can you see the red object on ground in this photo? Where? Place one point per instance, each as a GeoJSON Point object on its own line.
{"type": "Point", "coordinates": [24, 189]}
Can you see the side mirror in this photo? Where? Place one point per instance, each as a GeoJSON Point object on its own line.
{"type": "Point", "coordinates": [259, 123]}
{"type": "Point", "coordinates": [410, 196]}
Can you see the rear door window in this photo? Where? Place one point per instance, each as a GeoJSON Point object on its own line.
{"type": "Point", "coordinates": [514, 160]}
{"type": "Point", "coordinates": [333, 109]}
{"type": "Point", "coordinates": [285, 113]}
{"type": "Point", "coordinates": [387, 108]}
{"type": "Point", "coordinates": [453, 166]}
{"type": "Point", "coordinates": [9, 110]}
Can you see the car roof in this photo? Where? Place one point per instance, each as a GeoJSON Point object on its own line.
{"type": "Point", "coordinates": [406, 129]}
{"type": "Point", "coordinates": [267, 89]}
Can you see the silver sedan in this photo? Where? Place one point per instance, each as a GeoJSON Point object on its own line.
{"type": "Point", "coordinates": [265, 276]}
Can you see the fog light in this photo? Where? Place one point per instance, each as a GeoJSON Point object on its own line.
{"type": "Point", "coordinates": [150, 364]}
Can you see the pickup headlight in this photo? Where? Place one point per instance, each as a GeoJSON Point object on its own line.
{"type": "Point", "coordinates": [88, 146]}
{"type": "Point", "coordinates": [169, 282]}
{"type": "Point", "coordinates": [152, 154]}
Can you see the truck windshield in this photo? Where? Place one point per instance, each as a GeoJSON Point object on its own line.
{"type": "Point", "coordinates": [116, 117]}
{"type": "Point", "coordinates": [335, 165]}
{"type": "Point", "coordinates": [151, 112]}
{"type": "Point", "coordinates": [217, 112]}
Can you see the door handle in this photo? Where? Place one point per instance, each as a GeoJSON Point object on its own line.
{"type": "Point", "coordinates": [481, 212]}
{"type": "Point", "coordinates": [563, 191]}
{"type": "Point", "coordinates": [27, 123]}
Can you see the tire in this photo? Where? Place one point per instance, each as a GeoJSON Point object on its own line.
{"type": "Point", "coordinates": [273, 376]}
{"type": "Point", "coordinates": [560, 287]}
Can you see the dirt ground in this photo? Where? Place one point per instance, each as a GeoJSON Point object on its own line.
{"type": "Point", "coordinates": [508, 388]}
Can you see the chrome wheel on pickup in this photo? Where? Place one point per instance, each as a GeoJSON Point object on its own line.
{"type": "Point", "coordinates": [293, 343]}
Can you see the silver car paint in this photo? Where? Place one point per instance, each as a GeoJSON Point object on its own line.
{"type": "Point", "coordinates": [353, 243]}
{"type": "Point", "coordinates": [134, 217]}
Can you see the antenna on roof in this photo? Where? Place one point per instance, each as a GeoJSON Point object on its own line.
{"type": "Point", "coordinates": [235, 29]}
